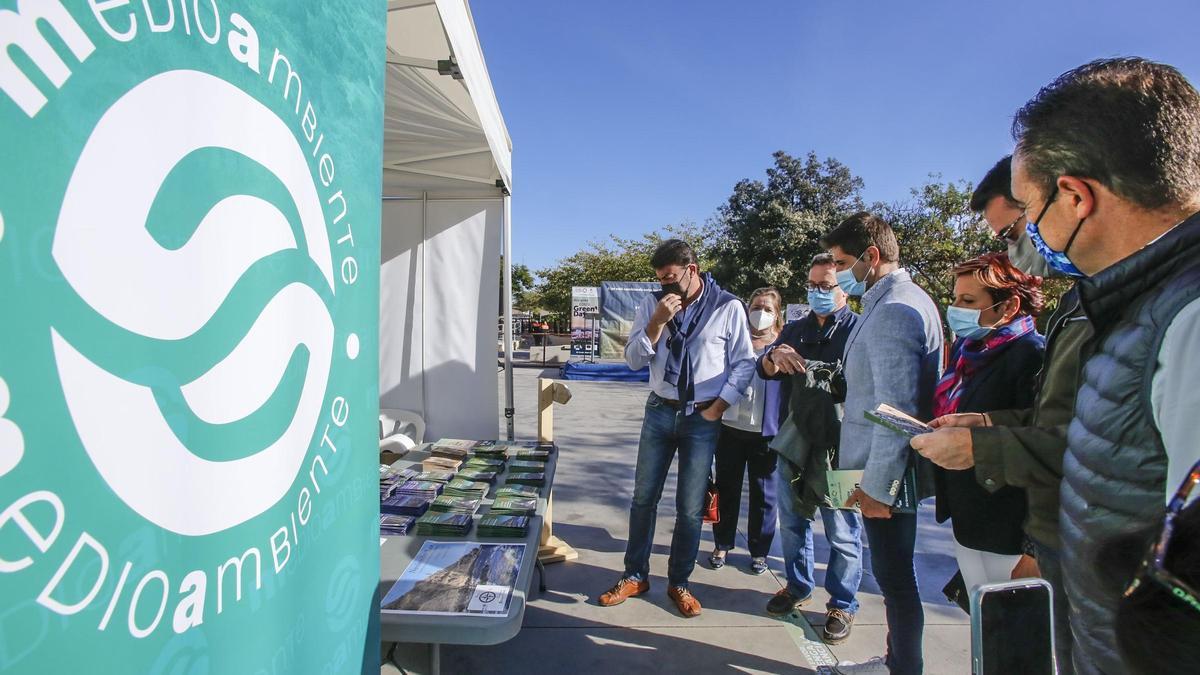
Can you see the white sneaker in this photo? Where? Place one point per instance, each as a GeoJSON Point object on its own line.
{"type": "Point", "coordinates": [875, 666]}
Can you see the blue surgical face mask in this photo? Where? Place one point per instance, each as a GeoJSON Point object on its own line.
{"type": "Point", "coordinates": [1057, 260]}
{"type": "Point", "coordinates": [822, 301]}
{"type": "Point", "coordinates": [965, 322]}
{"type": "Point", "coordinates": [849, 283]}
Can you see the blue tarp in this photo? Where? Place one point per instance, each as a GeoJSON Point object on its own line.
{"type": "Point", "coordinates": [619, 301]}
{"type": "Point", "coordinates": [604, 372]}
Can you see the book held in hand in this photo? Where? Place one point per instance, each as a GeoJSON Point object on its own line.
{"type": "Point", "coordinates": [896, 420]}
{"type": "Point", "coordinates": [903, 490]}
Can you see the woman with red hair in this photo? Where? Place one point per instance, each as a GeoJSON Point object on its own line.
{"type": "Point", "coordinates": [994, 362]}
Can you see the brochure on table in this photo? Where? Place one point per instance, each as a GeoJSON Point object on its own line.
{"type": "Point", "coordinates": [457, 578]}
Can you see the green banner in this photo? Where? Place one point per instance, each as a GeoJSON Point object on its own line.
{"type": "Point", "coordinates": [189, 281]}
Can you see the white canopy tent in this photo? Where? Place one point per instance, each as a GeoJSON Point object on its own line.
{"type": "Point", "coordinates": [447, 162]}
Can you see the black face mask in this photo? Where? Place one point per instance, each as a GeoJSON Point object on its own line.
{"type": "Point", "coordinates": [674, 287]}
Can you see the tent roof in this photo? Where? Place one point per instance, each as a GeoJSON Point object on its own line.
{"type": "Point", "coordinates": [443, 134]}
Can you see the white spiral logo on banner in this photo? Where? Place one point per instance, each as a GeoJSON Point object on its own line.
{"type": "Point", "coordinates": [106, 253]}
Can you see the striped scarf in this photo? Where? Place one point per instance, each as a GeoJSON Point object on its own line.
{"type": "Point", "coordinates": [970, 356]}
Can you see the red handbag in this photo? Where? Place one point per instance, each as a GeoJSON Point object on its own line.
{"type": "Point", "coordinates": [712, 503]}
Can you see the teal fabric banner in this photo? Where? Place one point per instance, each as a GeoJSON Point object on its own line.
{"type": "Point", "coordinates": [189, 282]}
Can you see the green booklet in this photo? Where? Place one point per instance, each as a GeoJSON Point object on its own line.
{"type": "Point", "coordinates": [840, 483]}
{"type": "Point", "coordinates": [496, 525]}
{"type": "Point", "coordinates": [902, 423]}
{"type": "Point", "coordinates": [461, 487]}
{"type": "Point", "coordinates": [514, 505]}
{"type": "Point", "coordinates": [478, 475]}
{"type": "Point", "coordinates": [451, 504]}
{"type": "Point", "coordinates": [905, 489]}
{"type": "Point", "coordinates": [434, 524]}
{"type": "Point", "coordinates": [516, 491]}
{"type": "Point", "coordinates": [526, 466]}
{"type": "Point", "coordinates": [537, 479]}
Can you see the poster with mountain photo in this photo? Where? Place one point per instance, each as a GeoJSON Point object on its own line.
{"type": "Point", "coordinates": [457, 578]}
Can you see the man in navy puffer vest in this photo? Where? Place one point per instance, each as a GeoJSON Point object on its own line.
{"type": "Point", "coordinates": [1107, 167]}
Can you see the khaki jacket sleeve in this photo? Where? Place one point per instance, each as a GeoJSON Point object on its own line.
{"type": "Point", "coordinates": [1020, 456]}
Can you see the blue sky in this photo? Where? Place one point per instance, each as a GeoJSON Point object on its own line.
{"type": "Point", "coordinates": [627, 116]}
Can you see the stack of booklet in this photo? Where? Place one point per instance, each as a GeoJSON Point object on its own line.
{"type": "Point", "coordinates": [516, 491]}
{"type": "Point", "coordinates": [461, 487]}
{"type": "Point", "coordinates": [454, 448]}
{"type": "Point", "coordinates": [532, 453]}
{"type": "Point", "coordinates": [395, 525]}
{"type": "Point", "coordinates": [403, 504]}
{"type": "Point", "coordinates": [420, 488]}
{"type": "Point", "coordinates": [534, 478]}
{"type": "Point", "coordinates": [448, 504]}
{"type": "Point", "coordinates": [434, 463]}
{"type": "Point", "coordinates": [514, 506]}
{"type": "Point", "coordinates": [498, 525]}
{"type": "Point", "coordinates": [492, 449]}
{"type": "Point", "coordinates": [389, 478]}
{"type": "Point", "coordinates": [479, 475]}
{"type": "Point", "coordinates": [435, 476]}
{"type": "Point", "coordinates": [526, 466]}
{"type": "Point", "coordinates": [484, 464]}
{"type": "Point", "coordinates": [434, 524]}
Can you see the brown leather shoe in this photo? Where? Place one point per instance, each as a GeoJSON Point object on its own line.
{"type": "Point", "coordinates": [626, 588]}
{"type": "Point", "coordinates": [687, 603]}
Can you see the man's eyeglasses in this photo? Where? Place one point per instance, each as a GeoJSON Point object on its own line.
{"type": "Point", "coordinates": [1009, 232]}
{"type": "Point", "coordinates": [827, 288]}
{"type": "Point", "coordinates": [1153, 565]}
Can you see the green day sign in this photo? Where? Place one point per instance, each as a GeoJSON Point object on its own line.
{"type": "Point", "coordinates": [189, 237]}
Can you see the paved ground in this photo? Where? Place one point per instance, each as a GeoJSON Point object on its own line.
{"type": "Point", "coordinates": [566, 631]}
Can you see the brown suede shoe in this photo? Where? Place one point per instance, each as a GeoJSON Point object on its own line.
{"type": "Point", "coordinates": [626, 588]}
{"type": "Point", "coordinates": [687, 603]}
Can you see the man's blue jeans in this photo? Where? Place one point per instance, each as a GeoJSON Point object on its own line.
{"type": "Point", "coordinates": [666, 431]}
{"type": "Point", "coordinates": [893, 542]}
{"type": "Point", "coordinates": [843, 529]}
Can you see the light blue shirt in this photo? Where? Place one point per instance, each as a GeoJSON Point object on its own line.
{"type": "Point", "coordinates": [721, 353]}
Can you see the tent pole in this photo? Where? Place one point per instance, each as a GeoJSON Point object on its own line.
{"type": "Point", "coordinates": [509, 410]}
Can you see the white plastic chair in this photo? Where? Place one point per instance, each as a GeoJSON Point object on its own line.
{"type": "Point", "coordinates": [400, 430]}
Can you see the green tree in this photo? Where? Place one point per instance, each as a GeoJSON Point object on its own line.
{"type": "Point", "coordinates": [617, 259]}
{"type": "Point", "coordinates": [937, 230]}
{"type": "Point", "coordinates": [524, 294]}
{"type": "Point", "coordinates": [768, 232]}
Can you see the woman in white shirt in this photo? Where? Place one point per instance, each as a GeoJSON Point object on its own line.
{"type": "Point", "coordinates": [743, 446]}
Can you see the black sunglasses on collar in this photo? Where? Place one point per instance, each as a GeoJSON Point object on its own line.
{"type": "Point", "coordinates": [1153, 566]}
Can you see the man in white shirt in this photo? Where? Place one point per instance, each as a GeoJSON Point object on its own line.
{"type": "Point", "coordinates": [695, 338]}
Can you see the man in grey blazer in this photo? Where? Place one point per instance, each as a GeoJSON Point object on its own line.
{"type": "Point", "coordinates": [893, 356]}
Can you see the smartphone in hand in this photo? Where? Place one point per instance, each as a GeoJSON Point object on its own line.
{"type": "Point", "coordinates": [1012, 628]}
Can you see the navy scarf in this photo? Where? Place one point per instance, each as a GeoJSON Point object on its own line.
{"type": "Point", "coordinates": [678, 368]}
